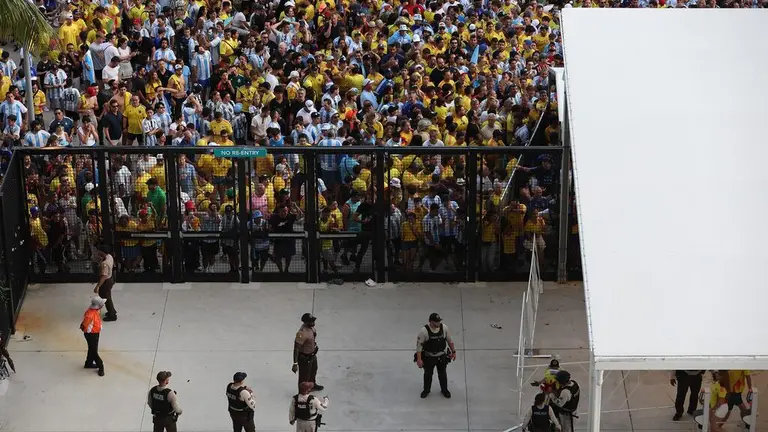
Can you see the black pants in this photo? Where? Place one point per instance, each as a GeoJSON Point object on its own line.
{"type": "Point", "coordinates": [105, 292]}
{"type": "Point", "coordinates": [307, 368]}
{"type": "Point", "coordinates": [92, 339]}
{"type": "Point", "coordinates": [162, 423]}
{"type": "Point", "coordinates": [149, 255]}
{"type": "Point", "coordinates": [429, 368]}
{"type": "Point", "coordinates": [242, 420]}
{"type": "Point", "coordinates": [687, 382]}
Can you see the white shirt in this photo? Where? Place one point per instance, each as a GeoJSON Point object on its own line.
{"type": "Point", "coordinates": [110, 73]}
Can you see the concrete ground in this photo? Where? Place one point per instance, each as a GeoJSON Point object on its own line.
{"type": "Point", "coordinates": [204, 333]}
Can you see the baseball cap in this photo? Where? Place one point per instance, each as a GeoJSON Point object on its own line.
{"type": "Point", "coordinates": [97, 302]}
{"type": "Point", "coordinates": [308, 318]}
{"type": "Point", "coordinates": [163, 375]}
{"type": "Point", "coordinates": [403, 27]}
{"type": "Point", "coordinates": [177, 67]}
{"type": "Point", "coordinates": [239, 376]}
{"type": "Point", "coordinates": [395, 183]}
{"type": "Point", "coordinates": [189, 205]}
{"type": "Point", "coordinates": [294, 74]}
{"type": "Point", "coordinates": [417, 38]}
{"type": "Point", "coordinates": [309, 104]}
{"type": "Point", "coordinates": [257, 214]}
{"type": "Point", "coordinates": [434, 316]}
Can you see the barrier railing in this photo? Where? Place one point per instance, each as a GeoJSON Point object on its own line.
{"type": "Point", "coordinates": [106, 207]}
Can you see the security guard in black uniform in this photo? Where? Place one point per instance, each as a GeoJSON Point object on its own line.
{"type": "Point", "coordinates": [432, 351]}
{"type": "Point", "coordinates": [540, 417]}
{"type": "Point", "coordinates": [241, 404]}
{"type": "Point", "coordinates": [566, 400]}
{"type": "Point", "coordinates": [164, 404]}
{"type": "Point", "coordinates": [305, 352]}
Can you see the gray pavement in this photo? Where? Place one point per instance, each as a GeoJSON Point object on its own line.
{"type": "Point", "coordinates": [204, 333]}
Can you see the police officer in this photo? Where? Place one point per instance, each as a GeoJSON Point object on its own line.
{"type": "Point", "coordinates": [566, 399]}
{"type": "Point", "coordinates": [540, 417]}
{"type": "Point", "coordinates": [305, 352]}
{"type": "Point", "coordinates": [432, 350]}
{"type": "Point", "coordinates": [305, 408]}
{"type": "Point", "coordinates": [241, 404]}
{"type": "Point", "coordinates": [164, 404]}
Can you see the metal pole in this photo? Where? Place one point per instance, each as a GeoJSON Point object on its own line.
{"type": "Point", "coordinates": [243, 218]}
{"type": "Point", "coordinates": [470, 231]}
{"type": "Point", "coordinates": [310, 217]}
{"type": "Point", "coordinates": [595, 403]}
{"type": "Point", "coordinates": [380, 231]}
{"type": "Point", "coordinates": [28, 84]}
{"type": "Point", "coordinates": [565, 202]}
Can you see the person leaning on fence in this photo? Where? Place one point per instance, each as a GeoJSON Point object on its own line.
{"type": "Point", "coordinates": [304, 410]}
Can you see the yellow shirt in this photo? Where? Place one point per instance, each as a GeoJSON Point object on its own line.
{"type": "Point", "coordinates": [220, 167]}
{"type": "Point", "coordinates": [227, 47]}
{"type": "Point", "coordinates": [245, 96]}
{"type": "Point", "coordinates": [359, 185]}
{"type": "Point", "coordinates": [738, 380]}
{"type": "Point", "coordinates": [130, 227]}
{"type": "Point", "coordinates": [717, 392]}
{"type": "Point", "coordinates": [147, 226]}
{"type": "Point", "coordinates": [410, 232]}
{"type": "Point", "coordinates": [141, 184]}
{"type": "Point", "coordinates": [489, 231]}
{"type": "Point", "coordinates": [158, 173]}
{"type": "Point", "coordinates": [5, 84]}
{"type": "Point", "coordinates": [204, 163]}
{"type": "Point", "coordinates": [134, 115]}
{"type": "Point", "coordinates": [36, 228]}
{"type": "Point", "coordinates": [219, 125]}
{"type": "Point", "coordinates": [69, 34]}
{"type": "Point", "coordinates": [40, 101]}
{"type": "Point", "coordinates": [325, 227]}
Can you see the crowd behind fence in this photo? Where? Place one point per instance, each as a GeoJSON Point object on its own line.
{"type": "Point", "coordinates": [181, 214]}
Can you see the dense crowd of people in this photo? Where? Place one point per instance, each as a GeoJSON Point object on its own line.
{"type": "Point", "coordinates": [208, 73]}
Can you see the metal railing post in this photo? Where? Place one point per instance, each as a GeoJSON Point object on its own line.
{"type": "Point", "coordinates": [244, 217]}
{"type": "Point", "coordinates": [310, 218]}
{"type": "Point", "coordinates": [472, 224]}
{"type": "Point", "coordinates": [380, 233]}
{"type": "Point", "coordinates": [173, 243]}
{"type": "Point", "coordinates": [565, 202]}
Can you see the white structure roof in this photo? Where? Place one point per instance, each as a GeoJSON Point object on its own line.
{"type": "Point", "coordinates": [668, 119]}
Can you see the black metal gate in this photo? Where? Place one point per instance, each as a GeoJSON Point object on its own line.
{"type": "Point", "coordinates": [304, 214]}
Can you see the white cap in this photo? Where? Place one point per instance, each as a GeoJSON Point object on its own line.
{"type": "Point", "coordinates": [472, 27]}
{"type": "Point", "coordinates": [309, 104]}
{"type": "Point", "coordinates": [273, 125]}
{"type": "Point", "coordinates": [395, 183]}
{"type": "Point", "coordinates": [289, 3]}
{"type": "Point", "coordinates": [325, 127]}
{"type": "Point", "coordinates": [535, 23]}
{"type": "Point", "coordinates": [366, 82]}
{"type": "Point", "coordinates": [89, 187]}
{"type": "Point", "coordinates": [403, 27]}
{"type": "Point", "coordinates": [416, 38]}
{"type": "Point", "coordinates": [442, 24]}
{"type": "Point", "coordinates": [417, 17]}
{"type": "Point", "coordinates": [294, 74]}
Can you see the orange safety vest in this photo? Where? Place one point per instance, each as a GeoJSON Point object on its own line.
{"type": "Point", "coordinates": [91, 321]}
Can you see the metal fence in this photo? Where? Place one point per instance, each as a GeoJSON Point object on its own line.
{"type": "Point", "coordinates": [15, 248]}
{"type": "Point", "coordinates": [186, 214]}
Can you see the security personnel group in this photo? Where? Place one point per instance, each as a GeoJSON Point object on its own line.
{"type": "Point", "coordinates": [434, 350]}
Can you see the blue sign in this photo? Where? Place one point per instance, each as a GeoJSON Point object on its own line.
{"type": "Point", "coordinates": [233, 152]}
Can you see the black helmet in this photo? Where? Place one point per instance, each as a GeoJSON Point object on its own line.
{"type": "Point", "coordinates": [197, 88]}
{"type": "Point", "coordinates": [563, 377]}
{"type": "Point", "coordinates": [308, 318]}
{"type": "Point", "coordinates": [554, 364]}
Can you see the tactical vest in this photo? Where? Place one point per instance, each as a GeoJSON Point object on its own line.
{"type": "Point", "coordinates": [573, 403]}
{"type": "Point", "coordinates": [435, 341]}
{"type": "Point", "coordinates": [160, 403]}
{"type": "Point", "coordinates": [233, 398]}
{"type": "Point", "coordinates": [302, 409]}
{"type": "Point", "coordinates": [539, 419]}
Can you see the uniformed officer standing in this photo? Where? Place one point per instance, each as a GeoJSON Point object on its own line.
{"type": "Point", "coordinates": [432, 350]}
{"type": "Point", "coordinates": [540, 417]}
{"type": "Point", "coordinates": [164, 404]}
{"type": "Point", "coordinates": [566, 399]}
{"type": "Point", "coordinates": [304, 408]}
{"type": "Point", "coordinates": [305, 352]}
{"type": "Point", "coordinates": [241, 404]}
